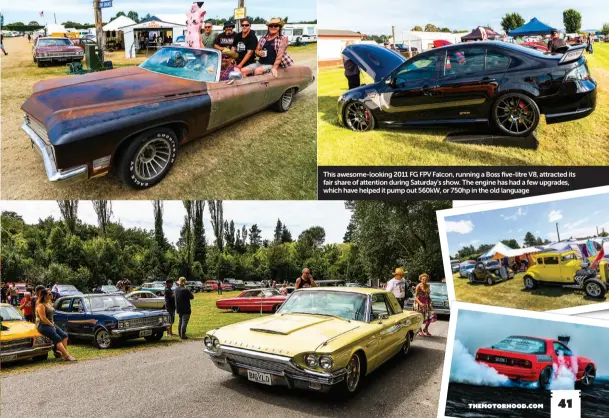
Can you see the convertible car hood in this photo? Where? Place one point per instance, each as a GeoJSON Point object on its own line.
{"type": "Point", "coordinates": [67, 97]}
{"type": "Point", "coordinates": [284, 334]}
{"type": "Point", "coordinates": [376, 61]}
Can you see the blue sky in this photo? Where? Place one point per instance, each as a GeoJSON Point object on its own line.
{"type": "Point", "coordinates": [577, 218]}
{"type": "Point", "coordinates": [377, 17]}
{"type": "Point", "coordinates": [479, 329]}
{"type": "Point", "coordinates": [82, 10]}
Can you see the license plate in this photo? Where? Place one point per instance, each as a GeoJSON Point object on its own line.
{"type": "Point", "coordinates": [258, 377]}
{"type": "Point", "coordinates": [10, 358]}
{"type": "Point", "coordinates": [145, 333]}
{"type": "Point", "coordinates": [500, 360]}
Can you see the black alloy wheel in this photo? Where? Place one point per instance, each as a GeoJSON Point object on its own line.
{"type": "Point", "coordinates": [515, 114]}
{"type": "Point", "coordinates": [545, 378]}
{"type": "Point", "coordinates": [358, 117]}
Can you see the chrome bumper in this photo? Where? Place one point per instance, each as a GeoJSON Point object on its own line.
{"type": "Point", "coordinates": [25, 354]}
{"type": "Point", "coordinates": [292, 375]}
{"type": "Point", "coordinates": [121, 332]}
{"type": "Point", "coordinates": [70, 175]}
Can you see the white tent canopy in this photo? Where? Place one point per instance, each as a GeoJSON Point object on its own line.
{"type": "Point", "coordinates": [501, 248]}
{"type": "Point", "coordinates": [118, 23]}
{"type": "Point", "coordinates": [54, 28]}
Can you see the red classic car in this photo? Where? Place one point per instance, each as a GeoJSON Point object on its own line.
{"type": "Point", "coordinates": [533, 359]}
{"type": "Point", "coordinates": [214, 285]}
{"type": "Point", "coordinates": [49, 49]}
{"type": "Point", "coordinates": [256, 300]}
{"type": "Point", "coordinates": [81, 42]}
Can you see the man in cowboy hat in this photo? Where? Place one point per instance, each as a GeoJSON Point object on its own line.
{"type": "Point", "coordinates": [226, 39]}
{"type": "Point", "coordinates": [272, 50]}
{"type": "Point", "coordinates": [228, 63]}
{"type": "Point", "coordinates": [397, 286]}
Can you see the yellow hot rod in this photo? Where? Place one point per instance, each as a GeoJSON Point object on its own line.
{"type": "Point", "coordinates": [320, 338]}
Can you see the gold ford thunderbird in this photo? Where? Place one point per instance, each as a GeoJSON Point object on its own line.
{"type": "Point", "coordinates": [319, 339]}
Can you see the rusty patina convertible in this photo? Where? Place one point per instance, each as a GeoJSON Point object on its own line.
{"type": "Point", "coordinates": [133, 120]}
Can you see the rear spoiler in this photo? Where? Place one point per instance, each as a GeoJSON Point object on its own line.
{"type": "Point", "coordinates": [572, 54]}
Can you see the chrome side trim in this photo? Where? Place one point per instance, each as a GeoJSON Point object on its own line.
{"type": "Point", "coordinates": [70, 175]}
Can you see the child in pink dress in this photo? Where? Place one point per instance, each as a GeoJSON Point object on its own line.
{"type": "Point", "coordinates": [195, 21]}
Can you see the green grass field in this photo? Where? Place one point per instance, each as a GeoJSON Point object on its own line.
{"type": "Point", "coordinates": [577, 143]}
{"type": "Point", "coordinates": [205, 316]}
{"type": "Point", "coordinates": [512, 294]}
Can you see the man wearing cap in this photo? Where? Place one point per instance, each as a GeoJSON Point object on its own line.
{"type": "Point", "coordinates": [208, 39]}
{"type": "Point", "coordinates": [555, 41]}
{"type": "Point", "coordinates": [226, 39]}
{"type": "Point", "coordinates": [397, 286]}
{"type": "Point", "coordinates": [228, 63]}
{"type": "Point", "coordinates": [272, 50]}
{"type": "Point", "coordinates": [245, 45]}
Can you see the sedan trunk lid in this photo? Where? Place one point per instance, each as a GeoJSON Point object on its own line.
{"type": "Point", "coordinates": [376, 61]}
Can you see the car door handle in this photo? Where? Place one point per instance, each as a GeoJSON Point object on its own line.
{"type": "Point", "coordinates": [488, 80]}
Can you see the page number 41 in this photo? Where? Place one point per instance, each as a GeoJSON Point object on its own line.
{"type": "Point", "coordinates": [566, 404]}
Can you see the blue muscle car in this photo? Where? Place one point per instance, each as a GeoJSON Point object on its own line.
{"type": "Point", "coordinates": [108, 319]}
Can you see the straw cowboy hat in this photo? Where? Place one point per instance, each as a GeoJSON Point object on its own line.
{"type": "Point", "coordinates": [230, 53]}
{"type": "Point", "coordinates": [275, 21]}
{"type": "Point", "coordinates": [399, 271]}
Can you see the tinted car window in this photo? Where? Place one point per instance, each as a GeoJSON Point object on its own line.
{"type": "Point", "coordinates": [562, 350]}
{"type": "Point", "coordinates": [465, 62]}
{"type": "Point", "coordinates": [420, 69]}
{"type": "Point", "coordinates": [64, 306]}
{"type": "Point", "coordinates": [496, 61]}
{"type": "Point", "coordinates": [76, 305]}
{"type": "Point", "coordinates": [550, 260]}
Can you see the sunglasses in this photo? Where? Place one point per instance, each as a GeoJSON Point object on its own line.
{"type": "Point", "coordinates": [245, 25]}
{"type": "Point", "coordinates": [208, 27]}
{"type": "Point", "coordinates": [274, 26]}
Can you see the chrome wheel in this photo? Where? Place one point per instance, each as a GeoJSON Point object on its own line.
{"type": "Point", "coordinates": [102, 338]}
{"type": "Point", "coordinates": [589, 375]}
{"type": "Point", "coordinates": [152, 158]}
{"type": "Point", "coordinates": [353, 373]}
{"type": "Point", "coordinates": [286, 99]}
{"type": "Point", "coordinates": [358, 117]}
{"type": "Point", "coordinates": [515, 114]}
{"type": "Point", "coordinates": [489, 281]}
{"type": "Point", "coordinates": [593, 289]}
{"type": "Point", "coordinates": [528, 283]}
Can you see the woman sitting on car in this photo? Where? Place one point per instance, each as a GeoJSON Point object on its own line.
{"type": "Point", "coordinates": [46, 326]}
{"type": "Point", "coordinates": [271, 51]}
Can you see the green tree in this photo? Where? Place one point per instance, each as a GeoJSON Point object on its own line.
{"type": "Point", "coordinates": [278, 230]}
{"type": "Point", "coordinates": [605, 29]}
{"type": "Point", "coordinates": [133, 16]}
{"type": "Point", "coordinates": [417, 29]}
{"type": "Point", "coordinates": [69, 213]}
{"type": "Point", "coordinates": [103, 210]}
{"type": "Point", "coordinates": [200, 244]}
{"type": "Point", "coordinates": [530, 240]}
{"type": "Point", "coordinates": [217, 221]}
{"type": "Point", "coordinates": [572, 20]}
{"type": "Point", "coordinates": [286, 235]}
{"type": "Point", "coordinates": [512, 21]}
{"type": "Point", "coordinates": [512, 243]}
{"type": "Point", "coordinates": [33, 23]}
{"type": "Point", "coordinates": [348, 237]}
{"type": "Point", "coordinates": [255, 238]}
{"type": "Point", "coordinates": [159, 235]}
{"type": "Point", "coordinates": [229, 234]}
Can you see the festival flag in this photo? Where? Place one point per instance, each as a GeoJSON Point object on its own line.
{"type": "Point", "coordinates": [598, 258]}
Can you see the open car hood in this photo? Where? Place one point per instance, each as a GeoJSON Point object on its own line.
{"type": "Point", "coordinates": [376, 61]}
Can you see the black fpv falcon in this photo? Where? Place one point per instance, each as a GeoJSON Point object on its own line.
{"type": "Point", "coordinates": [497, 83]}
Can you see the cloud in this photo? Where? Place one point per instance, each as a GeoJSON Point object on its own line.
{"type": "Point", "coordinates": [573, 225]}
{"type": "Point", "coordinates": [513, 217]}
{"type": "Point", "coordinates": [554, 215]}
{"type": "Point", "coordinates": [460, 227]}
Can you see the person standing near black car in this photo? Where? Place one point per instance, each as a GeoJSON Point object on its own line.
{"type": "Point", "coordinates": [170, 305]}
{"type": "Point", "coordinates": [555, 41]}
{"type": "Point", "coordinates": [245, 45]}
{"type": "Point", "coordinates": [351, 71]}
{"type": "Point", "coordinates": [183, 296]}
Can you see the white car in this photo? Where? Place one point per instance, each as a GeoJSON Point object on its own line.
{"type": "Point", "coordinates": [146, 300]}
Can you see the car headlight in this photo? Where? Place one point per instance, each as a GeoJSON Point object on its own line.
{"type": "Point", "coordinates": [42, 341]}
{"type": "Point", "coordinates": [215, 343]}
{"type": "Point", "coordinates": [326, 362]}
{"type": "Point", "coordinates": [121, 324]}
{"type": "Point", "coordinates": [211, 343]}
{"type": "Point", "coordinates": [311, 360]}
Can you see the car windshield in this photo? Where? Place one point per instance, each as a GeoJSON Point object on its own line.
{"type": "Point", "coordinates": [109, 302]}
{"type": "Point", "coordinates": [191, 64]}
{"type": "Point", "coordinates": [54, 42]}
{"type": "Point", "coordinates": [8, 313]}
{"type": "Point", "coordinates": [109, 288]}
{"type": "Point", "coordinates": [438, 289]}
{"type": "Point", "coordinates": [66, 287]}
{"type": "Point", "coordinates": [522, 345]}
{"type": "Point", "coordinates": [346, 305]}
{"type": "Point", "coordinates": [271, 292]}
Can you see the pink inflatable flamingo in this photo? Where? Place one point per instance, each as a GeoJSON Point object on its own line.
{"type": "Point", "coordinates": [195, 21]}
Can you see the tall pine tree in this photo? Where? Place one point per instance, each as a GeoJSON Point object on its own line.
{"type": "Point", "coordinates": [278, 231]}
{"type": "Point", "coordinates": [200, 245]}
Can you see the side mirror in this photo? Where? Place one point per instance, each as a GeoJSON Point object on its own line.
{"type": "Point", "coordinates": [382, 317]}
{"type": "Point", "coordinates": [234, 76]}
{"type": "Point", "coordinates": [389, 81]}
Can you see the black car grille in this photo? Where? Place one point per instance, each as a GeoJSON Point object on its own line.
{"type": "Point", "coordinates": [269, 365]}
{"type": "Point", "coordinates": [18, 344]}
{"type": "Point", "coordinates": [141, 322]}
{"type": "Point", "coordinates": [37, 127]}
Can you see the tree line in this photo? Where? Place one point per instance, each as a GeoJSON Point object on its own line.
{"type": "Point", "coordinates": [380, 237]}
{"type": "Point", "coordinates": [469, 252]}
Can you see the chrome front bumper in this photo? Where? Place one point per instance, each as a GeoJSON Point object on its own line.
{"type": "Point", "coordinates": [283, 370]}
{"type": "Point", "coordinates": [67, 176]}
{"type": "Point", "coordinates": [25, 354]}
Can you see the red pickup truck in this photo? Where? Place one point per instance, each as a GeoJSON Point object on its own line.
{"type": "Point", "coordinates": [214, 285]}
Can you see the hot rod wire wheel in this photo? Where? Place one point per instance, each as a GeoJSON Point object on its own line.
{"type": "Point", "coordinates": [595, 288]}
{"type": "Point", "coordinates": [589, 376]}
{"type": "Point", "coordinates": [148, 158]}
{"type": "Point", "coordinates": [102, 339]}
{"type": "Point", "coordinates": [515, 114]}
{"type": "Point", "coordinates": [285, 101]}
{"type": "Point", "coordinates": [358, 117]}
{"type": "Point", "coordinates": [353, 374]}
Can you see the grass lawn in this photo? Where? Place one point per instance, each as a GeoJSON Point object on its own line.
{"type": "Point", "coordinates": [268, 156]}
{"type": "Point", "coordinates": [205, 316]}
{"type": "Point", "coordinates": [512, 294]}
{"type": "Point", "coordinates": [577, 143]}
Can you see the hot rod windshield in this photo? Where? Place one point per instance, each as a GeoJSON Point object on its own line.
{"type": "Point", "coordinates": [191, 64]}
{"type": "Point", "coordinates": [351, 306]}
